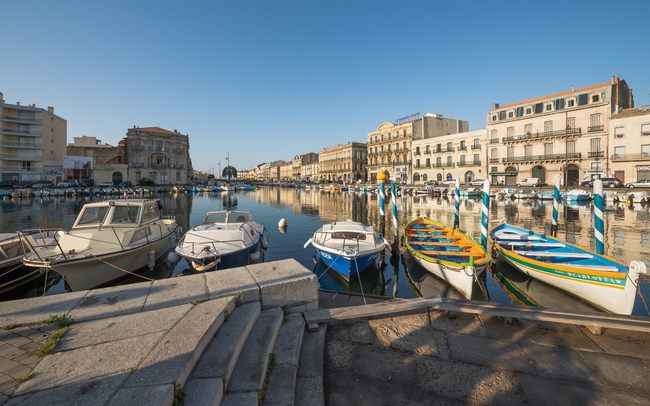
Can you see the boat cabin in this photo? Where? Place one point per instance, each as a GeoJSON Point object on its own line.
{"type": "Point", "coordinates": [131, 212]}
{"type": "Point", "coordinates": [229, 217]}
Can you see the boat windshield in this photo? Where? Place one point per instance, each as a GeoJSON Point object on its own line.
{"type": "Point", "coordinates": [93, 215]}
{"type": "Point", "coordinates": [216, 217]}
{"type": "Point", "coordinates": [11, 249]}
{"type": "Point", "coordinates": [348, 236]}
{"type": "Point", "coordinates": [125, 215]}
{"type": "Point", "coordinates": [238, 217]}
{"type": "Point", "coordinates": [151, 212]}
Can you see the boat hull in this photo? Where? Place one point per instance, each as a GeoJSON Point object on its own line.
{"type": "Point", "coordinates": [233, 259]}
{"type": "Point", "coordinates": [609, 291]}
{"type": "Point", "coordinates": [348, 266]}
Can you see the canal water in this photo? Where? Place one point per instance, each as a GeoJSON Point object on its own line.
{"type": "Point", "coordinates": [627, 237]}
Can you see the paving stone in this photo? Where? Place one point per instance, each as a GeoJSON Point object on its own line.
{"type": "Point", "coordinates": [232, 282]}
{"type": "Point", "coordinates": [489, 352]}
{"type": "Point", "coordinates": [35, 309]}
{"type": "Point", "coordinates": [309, 391]}
{"type": "Point", "coordinates": [75, 366]}
{"type": "Point", "coordinates": [250, 371]}
{"type": "Point", "coordinates": [405, 337]}
{"type": "Point", "coordinates": [144, 396]}
{"type": "Point", "coordinates": [99, 331]}
{"type": "Point", "coordinates": [220, 357]}
{"type": "Point", "coordinates": [462, 323]}
{"type": "Point", "coordinates": [497, 329]}
{"type": "Point", "coordinates": [90, 392]}
{"type": "Point", "coordinates": [557, 362]}
{"type": "Point", "coordinates": [112, 301]}
{"type": "Point", "coordinates": [175, 357]}
{"type": "Point", "coordinates": [289, 341]}
{"type": "Point", "coordinates": [619, 371]}
{"type": "Point", "coordinates": [357, 331]}
{"type": "Point", "coordinates": [339, 354]}
{"type": "Point", "coordinates": [284, 283]}
{"type": "Point", "coordinates": [203, 392]}
{"type": "Point", "coordinates": [312, 354]}
{"type": "Point", "coordinates": [630, 343]}
{"type": "Point", "coordinates": [282, 386]}
{"type": "Point", "coordinates": [175, 291]}
{"type": "Point", "coordinates": [565, 335]}
{"type": "Point", "coordinates": [415, 318]}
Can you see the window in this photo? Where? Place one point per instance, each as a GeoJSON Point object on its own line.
{"type": "Point", "coordinates": [519, 112]}
{"type": "Point", "coordinates": [125, 215]}
{"type": "Point", "coordinates": [595, 98]}
{"type": "Point", "coordinates": [539, 108]}
{"type": "Point", "coordinates": [494, 135]}
{"type": "Point", "coordinates": [548, 126]}
{"type": "Point", "coordinates": [388, 136]}
{"type": "Point", "coordinates": [571, 147]}
{"type": "Point", "coordinates": [528, 129]}
{"type": "Point", "coordinates": [619, 132]}
{"type": "Point", "coordinates": [511, 132]}
{"type": "Point", "coordinates": [438, 161]}
{"type": "Point", "coordinates": [462, 159]}
{"type": "Point", "coordinates": [494, 118]}
{"type": "Point", "coordinates": [548, 149]}
{"type": "Point", "coordinates": [594, 145]}
{"type": "Point", "coordinates": [645, 129]}
{"type": "Point", "coordinates": [449, 146]}
{"type": "Point", "coordinates": [510, 114]}
{"type": "Point", "coordinates": [529, 110]}
{"type": "Point", "coordinates": [619, 152]}
{"type": "Point", "coordinates": [450, 161]}
{"type": "Point", "coordinates": [511, 152]}
{"type": "Point", "coordinates": [528, 151]}
{"type": "Point", "coordinates": [151, 212]}
{"type": "Point", "coordinates": [417, 163]}
{"type": "Point", "coordinates": [597, 165]}
{"type": "Point", "coordinates": [462, 145]}
{"type": "Point", "coordinates": [559, 104]}
{"type": "Point", "coordinates": [150, 145]}
{"type": "Point", "coordinates": [594, 123]}
{"type": "Point", "coordinates": [571, 123]}
{"type": "Point", "coordinates": [494, 153]}
{"type": "Point", "coordinates": [583, 99]}
{"type": "Point", "coordinates": [476, 143]}
{"type": "Point", "coordinates": [570, 103]}
{"type": "Point", "coordinates": [549, 106]}
{"type": "Point", "coordinates": [477, 160]}
{"type": "Point", "coordinates": [502, 115]}
{"type": "Point", "coordinates": [428, 162]}
{"type": "Point", "coordinates": [138, 176]}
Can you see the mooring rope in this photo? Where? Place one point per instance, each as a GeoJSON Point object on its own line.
{"type": "Point", "coordinates": [359, 279]}
{"type": "Point", "coordinates": [123, 270]}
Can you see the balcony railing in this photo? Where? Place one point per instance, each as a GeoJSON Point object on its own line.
{"type": "Point", "coordinates": [20, 119]}
{"type": "Point", "coordinates": [178, 166]}
{"type": "Point", "coordinates": [422, 166]}
{"type": "Point", "coordinates": [417, 153]}
{"type": "Point", "coordinates": [644, 156]}
{"type": "Point", "coordinates": [19, 144]}
{"type": "Point", "coordinates": [471, 163]}
{"type": "Point", "coordinates": [571, 132]}
{"type": "Point", "coordinates": [596, 154]}
{"type": "Point", "coordinates": [452, 149]}
{"type": "Point", "coordinates": [595, 128]}
{"type": "Point", "coordinates": [546, 157]}
{"type": "Point", "coordinates": [137, 165]}
{"type": "Point", "coordinates": [462, 148]}
{"type": "Point", "coordinates": [444, 165]}
{"type": "Point", "coordinates": [494, 160]}
{"type": "Point", "coordinates": [156, 165]}
{"type": "Point", "coordinates": [178, 150]}
{"type": "Point", "coordinates": [28, 133]}
{"type": "Point", "coordinates": [20, 169]}
{"type": "Point", "coordinates": [475, 147]}
{"type": "Point", "coordinates": [21, 157]}
{"type": "Point", "coordinates": [138, 147]}
{"type": "Point", "coordinates": [494, 141]}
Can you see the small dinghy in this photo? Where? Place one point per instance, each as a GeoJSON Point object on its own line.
{"type": "Point", "coordinates": [225, 239]}
{"type": "Point", "coordinates": [446, 253]}
{"type": "Point", "coordinates": [348, 247]}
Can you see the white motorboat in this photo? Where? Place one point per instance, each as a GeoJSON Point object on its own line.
{"type": "Point", "coordinates": [226, 239]}
{"type": "Point", "coordinates": [109, 241]}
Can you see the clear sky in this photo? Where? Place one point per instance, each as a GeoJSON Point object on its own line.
{"type": "Point", "coordinates": [268, 80]}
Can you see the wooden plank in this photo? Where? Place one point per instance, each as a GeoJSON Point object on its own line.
{"type": "Point", "coordinates": [591, 267]}
{"type": "Point", "coordinates": [535, 244]}
{"type": "Point", "coordinates": [451, 253]}
{"type": "Point", "coordinates": [448, 244]}
{"type": "Point", "coordinates": [440, 236]}
{"type": "Point", "coordinates": [549, 254]}
{"type": "Point", "coordinates": [588, 319]}
{"type": "Point", "coordinates": [393, 306]}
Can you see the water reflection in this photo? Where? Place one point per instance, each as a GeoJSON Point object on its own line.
{"type": "Point", "coordinates": [627, 229]}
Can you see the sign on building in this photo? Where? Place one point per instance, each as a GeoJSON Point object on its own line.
{"type": "Point", "coordinates": [77, 162]}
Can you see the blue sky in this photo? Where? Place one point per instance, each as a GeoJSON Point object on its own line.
{"type": "Point", "coordinates": [268, 80]}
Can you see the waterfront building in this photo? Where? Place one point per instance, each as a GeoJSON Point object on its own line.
{"type": "Point", "coordinates": [286, 172]}
{"type": "Point", "coordinates": [565, 134]}
{"type": "Point", "coordinates": [158, 154]}
{"type": "Point", "coordinates": [450, 156]}
{"type": "Point", "coordinates": [309, 172]}
{"type": "Point", "coordinates": [32, 143]}
{"type": "Point", "coordinates": [345, 163]}
{"type": "Point", "coordinates": [274, 170]}
{"type": "Point", "coordinates": [262, 172]}
{"type": "Point", "coordinates": [390, 146]}
{"type": "Point", "coordinates": [109, 162]}
{"type": "Point", "coordinates": [630, 145]}
{"type": "Point", "coordinates": [246, 174]}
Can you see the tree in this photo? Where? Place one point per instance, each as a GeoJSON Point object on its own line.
{"type": "Point", "coordinates": [229, 172]}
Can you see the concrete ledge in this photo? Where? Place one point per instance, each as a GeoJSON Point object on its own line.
{"type": "Point", "coordinates": [284, 283]}
{"type": "Point", "coordinates": [230, 282]}
{"type": "Point", "coordinates": [113, 301]}
{"type": "Point", "coordinates": [282, 386]}
{"type": "Point", "coordinates": [175, 291]}
{"type": "Point", "coordinates": [240, 399]}
{"type": "Point", "coordinates": [158, 395]}
{"type": "Point", "coordinates": [35, 309]}
{"type": "Point", "coordinates": [204, 392]}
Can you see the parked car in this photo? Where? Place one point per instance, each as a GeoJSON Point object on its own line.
{"type": "Point", "coordinates": [23, 184]}
{"type": "Point", "coordinates": [477, 182]}
{"type": "Point", "coordinates": [7, 184]}
{"type": "Point", "coordinates": [639, 183]}
{"type": "Point", "coordinates": [43, 184]}
{"type": "Point", "coordinates": [450, 182]}
{"type": "Point", "coordinates": [87, 182]}
{"type": "Point", "coordinates": [529, 182]}
{"type": "Point", "coordinates": [607, 182]}
{"type": "Point", "coordinates": [67, 183]}
{"type": "Point", "coordinates": [106, 183]}
{"type": "Point", "coordinates": [126, 183]}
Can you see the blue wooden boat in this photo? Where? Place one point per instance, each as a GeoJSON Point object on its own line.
{"type": "Point", "coordinates": [446, 253]}
{"type": "Point", "coordinates": [576, 195]}
{"type": "Point", "coordinates": [348, 247]}
{"type": "Point", "coordinates": [601, 281]}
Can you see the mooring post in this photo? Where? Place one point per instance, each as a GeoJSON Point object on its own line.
{"type": "Point", "coordinates": [382, 197]}
{"type": "Point", "coordinates": [395, 229]}
{"type": "Point", "coordinates": [599, 224]}
{"type": "Point", "coordinates": [457, 204]}
{"type": "Point", "coordinates": [556, 205]}
{"type": "Point", "coordinates": [485, 213]}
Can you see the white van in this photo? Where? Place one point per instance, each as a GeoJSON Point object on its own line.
{"type": "Point", "coordinates": [529, 182]}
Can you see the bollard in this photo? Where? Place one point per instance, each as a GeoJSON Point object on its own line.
{"type": "Point", "coordinates": [599, 224]}
{"type": "Point", "coordinates": [457, 205]}
{"type": "Point", "coordinates": [556, 206]}
{"type": "Point", "coordinates": [485, 213]}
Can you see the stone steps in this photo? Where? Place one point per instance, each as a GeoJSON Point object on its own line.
{"type": "Point", "coordinates": [233, 369]}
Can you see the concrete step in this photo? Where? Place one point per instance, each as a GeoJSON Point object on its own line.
{"type": "Point", "coordinates": [309, 384]}
{"type": "Point", "coordinates": [213, 371]}
{"type": "Point", "coordinates": [250, 370]}
{"type": "Point", "coordinates": [282, 378]}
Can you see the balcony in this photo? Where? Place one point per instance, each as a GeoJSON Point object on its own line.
{"type": "Point", "coordinates": [440, 151]}
{"type": "Point", "coordinates": [644, 156]}
{"type": "Point", "coordinates": [545, 157]}
{"type": "Point", "coordinates": [178, 166]}
{"type": "Point", "coordinates": [22, 133]}
{"type": "Point", "coordinates": [596, 154]}
{"type": "Point", "coordinates": [178, 150]}
{"type": "Point", "coordinates": [462, 148]}
{"type": "Point", "coordinates": [476, 147]}
{"type": "Point", "coordinates": [18, 119]}
{"type": "Point", "coordinates": [571, 132]}
{"type": "Point", "coordinates": [472, 163]}
{"type": "Point", "coordinates": [595, 128]}
{"type": "Point", "coordinates": [137, 165]}
{"type": "Point", "coordinates": [21, 157]}
{"type": "Point", "coordinates": [157, 165]}
{"type": "Point", "coordinates": [19, 144]}
{"type": "Point", "coordinates": [494, 160]}
{"type": "Point", "coordinates": [138, 147]}
{"type": "Point", "coordinates": [444, 165]}
{"type": "Point", "coordinates": [494, 141]}
{"type": "Point", "coordinates": [422, 166]}
{"type": "Point", "coordinates": [417, 153]}
{"type": "Point", "coordinates": [20, 169]}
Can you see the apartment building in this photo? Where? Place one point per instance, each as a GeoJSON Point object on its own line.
{"type": "Point", "coordinates": [286, 172]}
{"type": "Point", "coordinates": [565, 134]}
{"type": "Point", "coordinates": [309, 172]}
{"type": "Point", "coordinates": [343, 163]}
{"type": "Point", "coordinates": [390, 147]}
{"type": "Point", "coordinates": [450, 156]}
{"type": "Point", "coordinates": [158, 154]}
{"type": "Point", "coordinates": [32, 143]}
{"type": "Point", "coordinates": [630, 145]}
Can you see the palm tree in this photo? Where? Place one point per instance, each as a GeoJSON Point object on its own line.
{"type": "Point", "coordinates": [229, 172]}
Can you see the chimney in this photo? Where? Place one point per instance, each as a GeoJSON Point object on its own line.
{"type": "Point", "coordinates": [2, 100]}
{"type": "Point", "coordinates": [612, 79]}
{"type": "Point", "coordinates": [573, 88]}
{"type": "Point", "coordinates": [50, 109]}
{"type": "Point", "coordinates": [495, 106]}
{"type": "Point", "coordinates": [17, 103]}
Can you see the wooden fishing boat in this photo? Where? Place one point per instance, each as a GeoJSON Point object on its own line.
{"type": "Point", "coordinates": [447, 253]}
{"type": "Point", "coordinates": [576, 195]}
{"type": "Point", "coordinates": [599, 280]}
{"type": "Point", "coordinates": [348, 247]}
